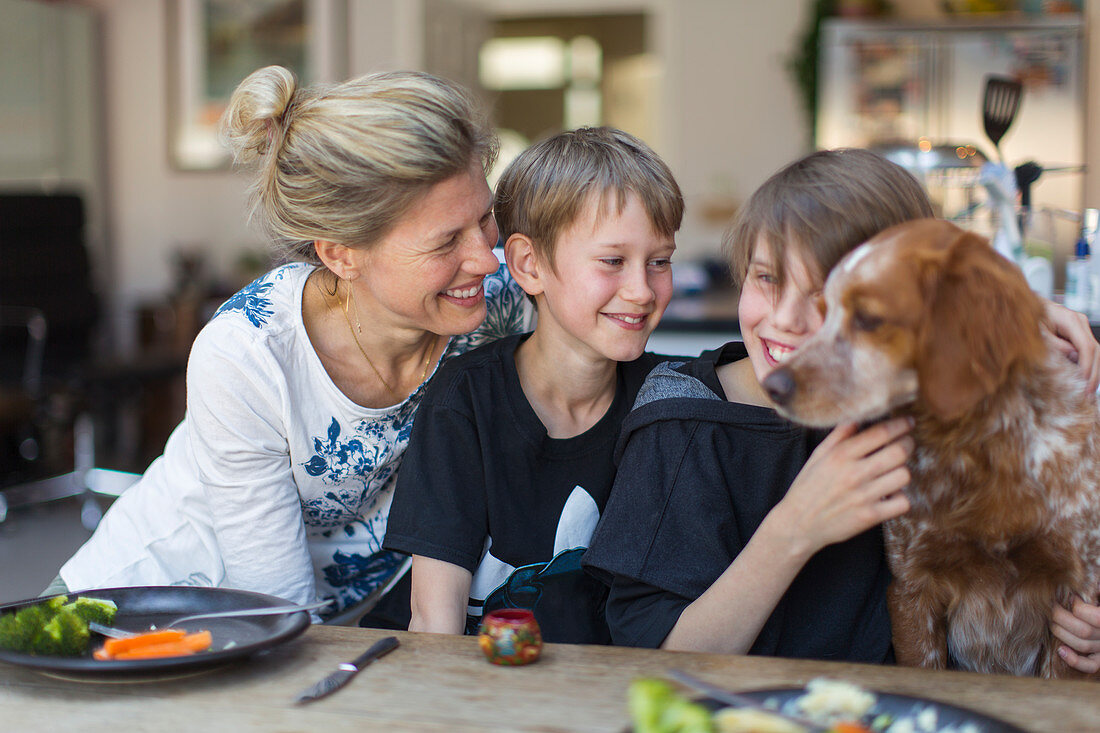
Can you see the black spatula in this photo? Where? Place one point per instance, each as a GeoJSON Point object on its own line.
{"type": "Point", "coordinates": [999, 107]}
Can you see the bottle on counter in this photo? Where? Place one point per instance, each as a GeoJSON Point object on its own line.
{"type": "Point", "coordinates": [1090, 225]}
{"type": "Point", "coordinates": [1078, 275]}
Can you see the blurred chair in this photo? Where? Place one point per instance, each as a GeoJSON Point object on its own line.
{"type": "Point", "coordinates": [20, 388]}
{"type": "Point", "coordinates": [54, 392]}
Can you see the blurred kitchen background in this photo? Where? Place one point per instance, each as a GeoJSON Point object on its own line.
{"type": "Point", "coordinates": [122, 225]}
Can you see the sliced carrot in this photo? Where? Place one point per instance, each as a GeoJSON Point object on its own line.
{"type": "Point", "coordinates": [113, 647]}
{"type": "Point", "coordinates": [168, 649]}
{"type": "Point", "coordinates": [101, 654]}
{"type": "Point", "coordinates": [198, 642]}
{"type": "Point", "coordinates": [849, 728]}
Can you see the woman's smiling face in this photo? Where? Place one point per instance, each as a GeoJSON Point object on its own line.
{"type": "Point", "coordinates": [775, 320]}
{"type": "Point", "coordinates": [427, 272]}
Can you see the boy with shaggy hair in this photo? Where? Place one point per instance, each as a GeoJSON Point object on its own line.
{"type": "Point", "coordinates": [731, 529]}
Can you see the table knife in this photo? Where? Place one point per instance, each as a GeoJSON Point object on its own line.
{"type": "Point", "coordinates": [346, 671]}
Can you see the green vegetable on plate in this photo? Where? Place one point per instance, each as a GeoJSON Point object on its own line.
{"type": "Point", "coordinates": [54, 627]}
{"type": "Point", "coordinates": [656, 708]}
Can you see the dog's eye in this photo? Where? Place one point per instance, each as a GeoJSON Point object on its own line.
{"type": "Point", "coordinates": [865, 322]}
{"type": "Point", "coordinates": [819, 303]}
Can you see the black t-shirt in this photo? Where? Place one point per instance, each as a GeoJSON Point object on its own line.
{"type": "Point", "coordinates": [482, 486]}
{"type": "Point", "coordinates": [697, 475]}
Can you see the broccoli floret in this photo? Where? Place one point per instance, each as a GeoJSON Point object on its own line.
{"type": "Point", "coordinates": [51, 627]}
{"type": "Point", "coordinates": [29, 622]}
{"type": "Point", "coordinates": [54, 604]}
{"type": "Point", "coordinates": [66, 634]}
{"type": "Point", "coordinates": [14, 634]}
{"type": "Point", "coordinates": [688, 717]}
{"type": "Point", "coordinates": [93, 609]}
{"type": "Point", "coordinates": [647, 700]}
{"type": "Point", "coordinates": [656, 708]}
{"type": "Point", "coordinates": [18, 630]}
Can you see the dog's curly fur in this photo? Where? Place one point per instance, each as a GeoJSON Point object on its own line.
{"type": "Point", "coordinates": [928, 320]}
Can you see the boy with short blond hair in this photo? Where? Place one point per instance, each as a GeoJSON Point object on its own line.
{"type": "Point", "coordinates": [510, 460]}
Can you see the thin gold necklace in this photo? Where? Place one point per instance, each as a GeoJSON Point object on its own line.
{"type": "Point", "coordinates": [427, 362]}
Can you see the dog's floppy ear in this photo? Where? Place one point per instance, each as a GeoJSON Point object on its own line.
{"type": "Point", "coordinates": [980, 319]}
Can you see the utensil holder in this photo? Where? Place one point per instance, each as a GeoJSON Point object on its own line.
{"type": "Point", "coordinates": [510, 636]}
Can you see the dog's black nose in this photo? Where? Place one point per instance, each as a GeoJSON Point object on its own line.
{"type": "Point", "coordinates": [780, 386]}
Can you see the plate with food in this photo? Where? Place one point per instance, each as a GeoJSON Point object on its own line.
{"type": "Point", "coordinates": [55, 633]}
{"type": "Point", "coordinates": [822, 706]}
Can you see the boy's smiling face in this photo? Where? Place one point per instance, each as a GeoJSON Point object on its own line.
{"type": "Point", "coordinates": [611, 282]}
{"type": "Point", "coordinates": [775, 321]}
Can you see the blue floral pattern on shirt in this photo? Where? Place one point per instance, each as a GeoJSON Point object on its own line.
{"type": "Point", "coordinates": [252, 300]}
{"type": "Point", "coordinates": [510, 314]}
{"type": "Point", "coordinates": [356, 467]}
{"type": "Point", "coordinates": [355, 576]}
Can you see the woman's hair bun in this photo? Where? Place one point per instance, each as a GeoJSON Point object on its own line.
{"type": "Point", "coordinates": [257, 115]}
{"type": "Point", "coordinates": [345, 162]}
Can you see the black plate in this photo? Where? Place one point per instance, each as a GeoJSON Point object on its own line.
{"type": "Point", "coordinates": [895, 705]}
{"type": "Point", "coordinates": [139, 608]}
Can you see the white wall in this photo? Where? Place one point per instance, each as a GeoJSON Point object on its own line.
{"type": "Point", "coordinates": [733, 115]}
{"type": "Point", "coordinates": [730, 115]}
{"type": "Point", "coordinates": [155, 210]}
{"type": "Point", "coordinates": [1092, 105]}
{"type": "Point", "coordinates": [51, 112]}
{"type": "Point", "coordinates": [730, 112]}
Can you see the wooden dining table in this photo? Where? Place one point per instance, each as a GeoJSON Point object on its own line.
{"type": "Point", "coordinates": [443, 683]}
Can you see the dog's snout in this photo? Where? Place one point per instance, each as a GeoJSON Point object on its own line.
{"type": "Point", "coordinates": [780, 386]}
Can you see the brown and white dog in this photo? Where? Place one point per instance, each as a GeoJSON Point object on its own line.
{"type": "Point", "coordinates": [928, 320]}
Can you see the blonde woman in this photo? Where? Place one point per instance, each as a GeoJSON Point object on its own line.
{"type": "Point", "coordinates": [302, 388]}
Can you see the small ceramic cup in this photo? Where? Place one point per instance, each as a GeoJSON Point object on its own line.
{"type": "Point", "coordinates": [510, 636]}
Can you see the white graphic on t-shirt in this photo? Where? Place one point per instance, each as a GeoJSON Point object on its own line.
{"type": "Point", "coordinates": [490, 575]}
{"type": "Point", "coordinates": [576, 524]}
